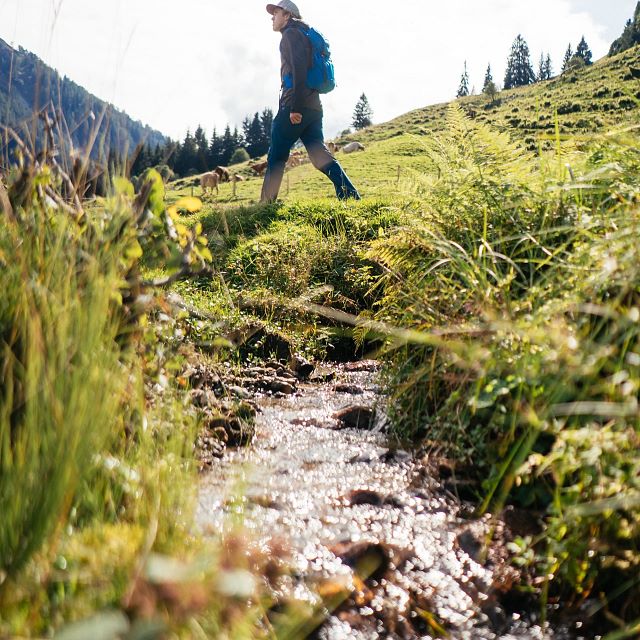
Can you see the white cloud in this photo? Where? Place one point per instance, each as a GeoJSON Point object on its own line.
{"type": "Point", "coordinates": [175, 65]}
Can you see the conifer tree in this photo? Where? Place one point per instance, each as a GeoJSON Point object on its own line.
{"type": "Point", "coordinates": [246, 126]}
{"type": "Point", "coordinates": [540, 74]}
{"type": "Point", "coordinates": [187, 156]}
{"type": "Point", "coordinates": [362, 113]}
{"type": "Point", "coordinates": [544, 68]}
{"type": "Point", "coordinates": [463, 89]}
{"type": "Point", "coordinates": [202, 149]}
{"type": "Point", "coordinates": [228, 146]}
{"type": "Point", "coordinates": [253, 135]}
{"type": "Point", "coordinates": [140, 161]}
{"type": "Point", "coordinates": [266, 122]}
{"type": "Point", "coordinates": [519, 70]}
{"type": "Point", "coordinates": [488, 78]}
{"type": "Point", "coordinates": [584, 52]}
{"type": "Point", "coordinates": [567, 58]}
{"type": "Point", "coordinates": [215, 149]}
{"type": "Point", "coordinates": [238, 139]}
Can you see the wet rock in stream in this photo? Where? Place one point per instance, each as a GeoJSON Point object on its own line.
{"type": "Point", "coordinates": [356, 417]}
{"type": "Point", "coordinates": [226, 412]}
{"type": "Point", "coordinates": [361, 365]}
{"type": "Point", "coordinates": [301, 367]}
{"type": "Point", "coordinates": [372, 536]}
{"type": "Point", "coordinates": [282, 386]}
{"type": "Point", "coordinates": [365, 496]}
{"type": "Point", "coordinates": [353, 389]}
{"type": "Point", "coordinates": [239, 392]}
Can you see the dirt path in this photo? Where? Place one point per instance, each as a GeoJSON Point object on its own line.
{"type": "Point", "coordinates": [348, 505]}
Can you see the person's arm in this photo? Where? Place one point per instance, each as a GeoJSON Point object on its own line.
{"type": "Point", "coordinates": [295, 53]}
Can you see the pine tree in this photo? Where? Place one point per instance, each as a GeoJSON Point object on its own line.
{"type": "Point", "coordinates": [548, 69]}
{"type": "Point", "coordinates": [202, 149]}
{"type": "Point", "coordinates": [463, 89]}
{"type": "Point", "coordinates": [584, 52]}
{"type": "Point", "coordinates": [228, 146]}
{"type": "Point", "coordinates": [140, 161]}
{"type": "Point", "coordinates": [187, 157]}
{"type": "Point", "coordinates": [215, 150]}
{"type": "Point", "coordinates": [266, 122]}
{"type": "Point", "coordinates": [157, 156]}
{"type": "Point", "coordinates": [246, 129]}
{"type": "Point", "coordinates": [488, 79]}
{"type": "Point", "coordinates": [238, 139]}
{"type": "Point", "coordinates": [567, 58]}
{"type": "Point", "coordinates": [519, 70]}
{"type": "Point", "coordinates": [252, 129]}
{"type": "Point", "coordinates": [362, 113]}
{"type": "Point", "coordinates": [540, 75]}
{"type": "Point", "coordinates": [170, 153]}
{"type": "Point", "coordinates": [545, 71]}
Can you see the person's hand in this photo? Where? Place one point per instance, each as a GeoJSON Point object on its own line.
{"type": "Point", "coordinates": [296, 118]}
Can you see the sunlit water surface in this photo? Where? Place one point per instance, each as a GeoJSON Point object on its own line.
{"type": "Point", "coordinates": [296, 482]}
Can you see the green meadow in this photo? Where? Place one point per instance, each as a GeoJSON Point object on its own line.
{"type": "Point", "coordinates": [492, 266]}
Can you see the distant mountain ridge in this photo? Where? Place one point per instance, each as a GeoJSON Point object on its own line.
{"type": "Point", "coordinates": [28, 85]}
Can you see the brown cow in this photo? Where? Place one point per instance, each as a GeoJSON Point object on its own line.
{"type": "Point", "coordinates": [259, 167]}
{"type": "Point", "coordinates": [223, 173]}
{"type": "Point", "coordinates": [209, 180]}
{"type": "Point", "coordinates": [296, 159]}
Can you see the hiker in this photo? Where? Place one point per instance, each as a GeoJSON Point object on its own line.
{"type": "Point", "coordinates": [299, 114]}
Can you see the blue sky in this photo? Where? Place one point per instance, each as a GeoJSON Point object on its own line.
{"type": "Point", "coordinates": [174, 65]}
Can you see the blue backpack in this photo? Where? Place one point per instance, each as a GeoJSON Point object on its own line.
{"type": "Point", "coordinates": [321, 75]}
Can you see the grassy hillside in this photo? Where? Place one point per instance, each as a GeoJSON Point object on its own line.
{"type": "Point", "coordinates": [495, 256]}
{"type": "Point", "coordinates": [493, 264]}
{"type": "Point", "coordinates": [588, 100]}
{"type": "Point", "coordinates": [580, 103]}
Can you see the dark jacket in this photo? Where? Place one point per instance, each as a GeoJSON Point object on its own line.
{"type": "Point", "coordinates": [295, 55]}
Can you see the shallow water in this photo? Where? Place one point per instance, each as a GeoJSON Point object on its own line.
{"type": "Point", "coordinates": [297, 482]}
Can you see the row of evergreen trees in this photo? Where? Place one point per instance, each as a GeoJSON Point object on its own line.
{"type": "Point", "coordinates": [520, 70]}
{"type": "Point", "coordinates": [198, 153]}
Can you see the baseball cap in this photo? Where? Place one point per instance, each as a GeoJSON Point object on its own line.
{"type": "Point", "coordinates": [285, 5]}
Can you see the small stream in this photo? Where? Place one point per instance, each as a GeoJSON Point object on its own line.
{"type": "Point", "coordinates": [337, 495]}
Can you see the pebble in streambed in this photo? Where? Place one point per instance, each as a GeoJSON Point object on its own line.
{"type": "Point", "coordinates": [321, 475]}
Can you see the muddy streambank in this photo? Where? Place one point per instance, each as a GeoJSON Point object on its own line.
{"type": "Point", "coordinates": [359, 514]}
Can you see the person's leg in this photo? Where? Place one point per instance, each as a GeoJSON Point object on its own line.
{"type": "Point", "coordinates": [283, 137]}
{"type": "Point", "coordinates": [313, 139]}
